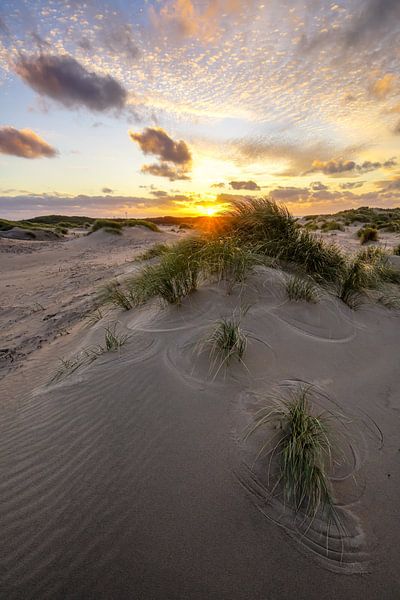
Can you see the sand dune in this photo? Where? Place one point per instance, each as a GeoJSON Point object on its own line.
{"type": "Point", "coordinates": [131, 478]}
{"type": "Point", "coordinates": [46, 287]}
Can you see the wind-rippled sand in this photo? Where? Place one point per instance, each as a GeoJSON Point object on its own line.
{"type": "Point", "coordinates": [130, 478]}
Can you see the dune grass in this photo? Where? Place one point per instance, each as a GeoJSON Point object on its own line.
{"type": "Point", "coordinates": [303, 451]}
{"type": "Point", "coordinates": [369, 269]}
{"type": "Point", "coordinates": [256, 232]}
{"type": "Point", "coordinates": [112, 339]}
{"type": "Point", "coordinates": [332, 226]}
{"type": "Point", "coordinates": [268, 226]}
{"type": "Point", "coordinates": [226, 342]}
{"type": "Point", "coordinates": [153, 252]}
{"type": "Point", "coordinates": [226, 259]}
{"type": "Point", "coordinates": [367, 234]}
{"type": "Point", "coordinates": [113, 342]}
{"type": "Point", "coordinates": [299, 289]}
{"type": "Point", "coordinates": [173, 278]}
{"type": "Point", "coordinates": [106, 223]}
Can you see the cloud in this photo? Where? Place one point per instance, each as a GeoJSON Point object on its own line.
{"type": "Point", "coordinates": [185, 19]}
{"type": "Point", "coordinates": [217, 185]}
{"type": "Point", "coordinates": [24, 143]}
{"type": "Point", "coordinates": [384, 86]}
{"type": "Point", "coordinates": [27, 205]}
{"type": "Point", "coordinates": [107, 190]}
{"type": "Point", "coordinates": [339, 166]}
{"type": "Point", "coordinates": [175, 156]}
{"type": "Point", "coordinates": [298, 156]}
{"type": "Point", "coordinates": [350, 185]}
{"type": "Point", "coordinates": [317, 186]}
{"type": "Point", "coordinates": [65, 80]}
{"type": "Point", "coordinates": [159, 193]}
{"type": "Point", "coordinates": [332, 167]}
{"type": "Point", "coordinates": [165, 170]}
{"type": "Point", "coordinates": [289, 193]}
{"type": "Point", "coordinates": [375, 19]}
{"type": "Point", "coordinates": [118, 39]}
{"type": "Point", "coordinates": [3, 28]}
{"type": "Point", "coordinates": [154, 140]}
{"type": "Point", "coordinates": [244, 185]}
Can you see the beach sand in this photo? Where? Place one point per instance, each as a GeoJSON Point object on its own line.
{"type": "Point", "coordinates": [131, 478]}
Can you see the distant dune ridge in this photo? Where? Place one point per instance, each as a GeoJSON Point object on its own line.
{"type": "Point", "coordinates": [148, 461]}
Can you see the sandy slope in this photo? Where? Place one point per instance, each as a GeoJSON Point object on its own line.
{"type": "Point", "coordinates": [131, 479]}
{"type": "Point", "coordinates": [45, 287]}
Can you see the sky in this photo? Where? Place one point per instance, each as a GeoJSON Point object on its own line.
{"type": "Point", "coordinates": [177, 107]}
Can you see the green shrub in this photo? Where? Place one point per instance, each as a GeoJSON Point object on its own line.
{"type": "Point", "coordinates": [367, 234]}
{"type": "Point", "coordinates": [332, 226]}
{"type": "Point", "coordinates": [154, 251]}
{"type": "Point", "coordinates": [303, 450]}
{"type": "Point", "coordinates": [299, 289]}
{"type": "Point", "coordinates": [109, 223]}
{"type": "Point", "coordinates": [226, 341]}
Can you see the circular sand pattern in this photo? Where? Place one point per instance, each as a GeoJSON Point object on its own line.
{"type": "Point", "coordinates": [325, 321]}
{"type": "Point", "coordinates": [189, 358]}
{"type": "Point", "coordinates": [339, 539]}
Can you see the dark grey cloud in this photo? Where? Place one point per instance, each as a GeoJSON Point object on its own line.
{"type": "Point", "coordinates": [3, 28]}
{"type": "Point", "coordinates": [289, 193]}
{"type": "Point", "coordinates": [350, 185]}
{"type": "Point", "coordinates": [159, 193]}
{"type": "Point", "coordinates": [118, 39]}
{"type": "Point", "coordinates": [371, 23]}
{"type": "Point", "coordinates": [375, 18]}
{"type": "Point", "coordinates": [107, 190]}
{"type": "Point", "coordinates": [244, 185]}
{"type": "Point", "coordinates": [174, 155]}
{"type": "Point", "coordinates": [168, 170]}
{"type": "Point", "coordinates": [155, 140]}
{"type": "Point", "coordinates": [24, 143]}
{"type": "Point", "coordinates": [339, 166]}
{"type": "Point", "coordinates": [317, 186]}
{"type": "Point", "coordinates": [26, 205]}
{"type": "Point", "coordinates": [65, 80]}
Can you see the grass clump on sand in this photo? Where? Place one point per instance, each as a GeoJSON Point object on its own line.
{"type": "Point", "coordinates": [106, 224]}
{"type": "Point", "coordinates": [226, 259]}
{"type": "Point", "coordinates": [303, 450]}
{"type": "Point", "coordinates": [182, 266]}
{"type": "Point", "coordinates": [270, 227]}
{"type": "Point", "coordinates": [370, 269]}
{"type": "Point", "coordinates": [113, 340]}
{"type": "Point", "coordinates": [367, 234]}
{"type": "Point", "coordinates": [139, 222]}
{"type": "Point", "coordinates": [396, 250]}
{"type": "Point", "coordinates": [153, 252]}
{"type": "Point", "coordinates": [332, 226]}
{"type": "Point", "coordinates": [119, 295]}
{"type": "Point", "coordinates": [226, 341]}
{"type": "Point", "coordinates": [173, 278]}
{"type": "Point", "coordinates": [299, 289]}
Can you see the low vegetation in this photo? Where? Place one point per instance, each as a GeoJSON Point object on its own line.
{"type": "Point", "coordinates": [332, 226]}
{"type": "Point", "coordinates": [303, 451]}
{"type": "Point", "coordinates": [367, 234]}
{"type": "Point", "coordinates": [113, 342]}
{"type": "Point", "coordinates": [153, 252]}
{"type": "Point", "coordinates": [256, 232]}
{"type": "Point", "coordinates": [106, 224]}
{"type": "Point", "coordinates": [299, 289]}
{"type": "Point", "coordinates": [227, 341]}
